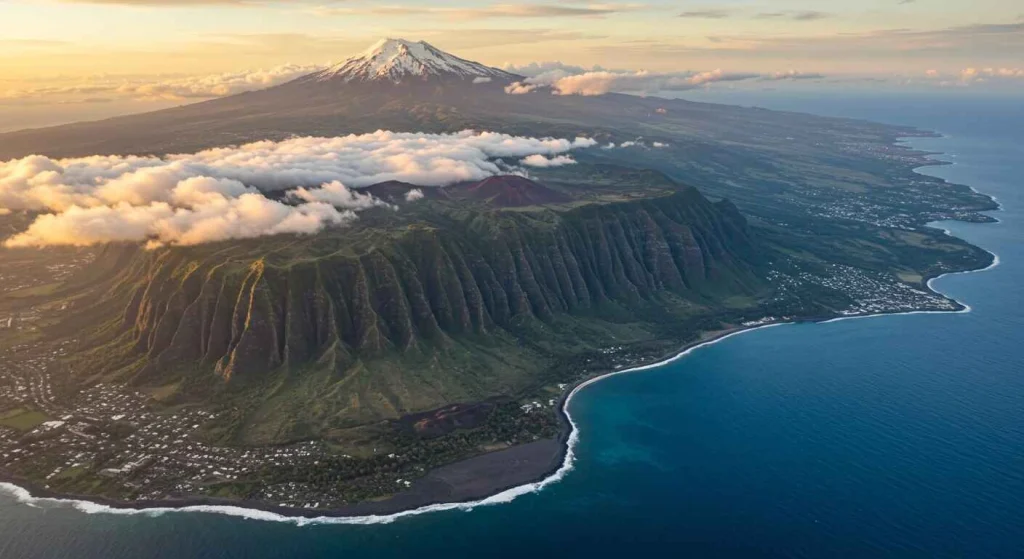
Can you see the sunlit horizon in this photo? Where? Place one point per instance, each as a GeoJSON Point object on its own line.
{"type": "Point", "coordinates": [79, 59]}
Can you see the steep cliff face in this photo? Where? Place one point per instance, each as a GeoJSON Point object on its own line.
{"type": "Point", "coordinates": [424, 287]}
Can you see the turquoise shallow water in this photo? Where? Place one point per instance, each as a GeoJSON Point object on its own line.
{"type": "Point", "coordinates": [883, 437]}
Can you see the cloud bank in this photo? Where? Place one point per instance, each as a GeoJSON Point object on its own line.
{"type": "Point", "coordinates": [177, 88]}
{"type": "Point", "coordinates": [564, 79]}
{"type": "Point", "coordinates": [221, 193]}
{"type": "Point", "coordinates": [995, 77]}
{"type": "Point", "coordinates": [977, 75]}
{"type": "Point", "coordinates": [159, 223]}
{"type": "Point", "coordinates": [538, 160]}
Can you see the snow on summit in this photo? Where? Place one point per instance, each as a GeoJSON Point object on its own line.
{"type": "Point", "coordinates": [395, 59]}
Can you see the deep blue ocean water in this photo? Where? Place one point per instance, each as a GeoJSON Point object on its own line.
{"type": "Point", "coordinates": [898, 436]}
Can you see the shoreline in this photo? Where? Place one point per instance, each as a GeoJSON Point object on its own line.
{"type": "Point", "coordinates": [567, 440]}
{"type": "Point", "coordinates": [26, 493]}
{"type": "Point", "coordinates": [381, 512]}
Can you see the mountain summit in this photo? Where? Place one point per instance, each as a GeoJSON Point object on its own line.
{"type": "Point", "coordinates": [396, 60]}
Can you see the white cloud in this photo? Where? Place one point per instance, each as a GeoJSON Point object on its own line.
{"type": "Point", "coordinates": [604, 81]}
{"type": "Point", "coordinates": [976, 75]}
{"type": "Point", "coordinates": [792, 75]}
{"type": "Point", "coordinates": [197, 191]}
{"type": "Point", "coordinates": [336, 194]}
{"type": "Point", "coordinates": [217, 85]}
{"type": "Point", "coordinates": [414, 194]}
{"type": "Point", "coordinates": [217, 194]}
{"type": "Point", "coordinates": [994, 77]}
{"type": "Point", "coordinates": [537, 68]}
{"type": "Point", "coordinates": [542, 161]}
{"type": "Point", "coordinates": [520, 88]}
{"type": "Point", "coordinates": [41, 183]}
{"type": "Point", "coordinates": [565, 79]}
{"type": "Point", "coordinates": [481, 79]}
{"type": "Point", "coordinates": [173, 88]}
{"type": "Point", "coordinates": [159, 223]}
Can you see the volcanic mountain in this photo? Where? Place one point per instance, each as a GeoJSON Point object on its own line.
{"type": "Point", "coordinates": [508, 191]}
{"type": "Point", "coordinates": [397, 192]}
{"type": "Point", "coordinates": [399, 60]}
{"type": "Point", "coordinates": [406, 86]}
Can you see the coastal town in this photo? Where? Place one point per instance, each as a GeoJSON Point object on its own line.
{"type": "Point", "coordinates": [911, 200]}
{"type": "Point", "coordinates": [112, 440]}
{"type": "Point", "coordinates": [868, 292]}
{"type": "Point", "coordinates": [113, 432]}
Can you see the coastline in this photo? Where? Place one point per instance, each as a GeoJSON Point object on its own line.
{"type": "Point", "coordinates": [381, 512]}
{"type": "Point", "coordinates": [26, 493]}
{"type": "Point", "coordinates": [391, 510]}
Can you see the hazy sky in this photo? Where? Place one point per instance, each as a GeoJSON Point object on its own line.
{"type": "Point", "coordinates": [73, 52]}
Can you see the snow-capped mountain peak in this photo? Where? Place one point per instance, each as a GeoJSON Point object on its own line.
{"type": "Point", "coordinates": [395, 60]}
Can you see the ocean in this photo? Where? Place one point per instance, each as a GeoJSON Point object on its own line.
{"type": "Point", "coordinates": [894, 436]}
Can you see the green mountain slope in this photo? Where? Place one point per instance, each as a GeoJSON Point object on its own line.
{"type": "Point", "coordinates": [413, 312]}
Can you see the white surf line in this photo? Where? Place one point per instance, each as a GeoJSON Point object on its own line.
{"type": "Point", "coordinates": [22, 495]}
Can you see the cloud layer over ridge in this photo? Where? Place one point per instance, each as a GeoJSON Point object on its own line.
{"type": "Point", "coordinates": [218, 194]}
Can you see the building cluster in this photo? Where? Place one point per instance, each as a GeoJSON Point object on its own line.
{"type": "Point", "coordinates": [877, 292]}
{"type": "Point", "coordinates": [109, 432]}
{"type": "Point", "coordinates": [906, 202]}
{"type": "Point", "coordinates": [31, 271]}
{"type": "Point", "coordinates": [868, 292]}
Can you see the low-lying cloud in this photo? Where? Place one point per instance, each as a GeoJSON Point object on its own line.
{"type": "Point", "coordinates": [637, 143]}
{"type": "Point", "coordinates": [1005, 77]}
{"type": "Point", "coordinates": [975, 75]}
{"type": "Point", "coordinates": [221, 193]}
{"type": "Point", "coordinates": [538, 160]}
{"type": "Point", "coordinates": [250, 215]}
{"type": "Point", "coordinates": [563, 79]}
{"type": "Point", "coordinates": [169, 88]}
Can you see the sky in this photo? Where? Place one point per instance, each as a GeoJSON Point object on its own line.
{"type": "Point", "coordinates": [64, 60]}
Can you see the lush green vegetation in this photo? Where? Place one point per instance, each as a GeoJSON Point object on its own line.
{"type": "Point", "coordinates": [299, 337]}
